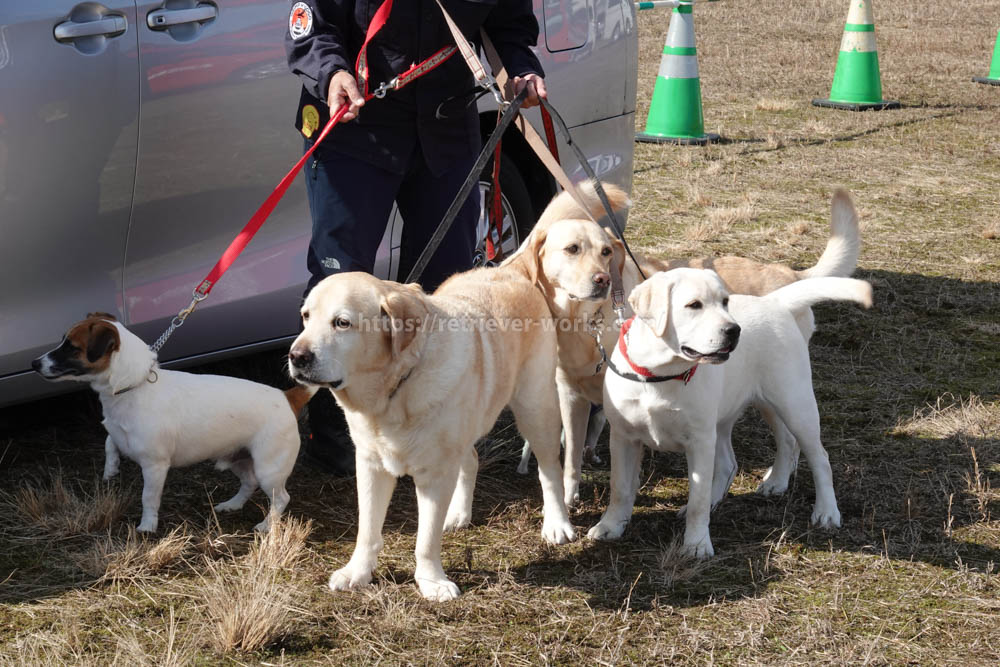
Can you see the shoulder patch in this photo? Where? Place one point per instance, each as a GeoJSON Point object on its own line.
{"type": "Point", "coordinates": [300, 21]}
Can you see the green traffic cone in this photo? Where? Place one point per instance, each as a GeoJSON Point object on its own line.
{"type": "Point", "coordinates": [857, 85]}
{"type": "Point", "coordinates": [675, 110]}
{"type": "Point", "coordinates": [994, 78]}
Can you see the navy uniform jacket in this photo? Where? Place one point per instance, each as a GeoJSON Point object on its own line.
{"type": "Point", "coordinates": [387, 129]}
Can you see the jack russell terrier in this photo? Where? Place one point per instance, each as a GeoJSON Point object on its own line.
{"type": "Point", "coordinates": [163, 419]}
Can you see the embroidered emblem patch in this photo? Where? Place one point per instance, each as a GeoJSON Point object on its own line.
{"type": "Point", "coordinates": [300, 21]}
{"type": "Point", "coordinates": [310, 120]}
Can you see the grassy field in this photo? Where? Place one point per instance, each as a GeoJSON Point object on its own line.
{"type": "Point", "coordinates": [908, 395]}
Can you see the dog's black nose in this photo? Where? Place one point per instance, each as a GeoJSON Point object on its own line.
{"type": "Point", "coordinates": [732, 332]}
{"type": "Point", "coordinates": [602, 279]}
{"type": "Point", "coordinates": [36, 365]}
{"type": "Point", "coordinates": [301, 358]}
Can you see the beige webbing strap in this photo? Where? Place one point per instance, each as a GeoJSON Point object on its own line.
{"type": "Point", "coordinates": [479, 73]}
{"type": "Point", "coordinates": [535, 140]}
{"type": "Point", "coordinates": [541, 149]}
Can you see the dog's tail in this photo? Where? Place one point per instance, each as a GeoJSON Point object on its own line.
{"type": "Point", "coordinates": [564, 207]}
{"type": "Point", "coordinates": [298, 396]}
{"type": "Point", "coordinates": [840, 257]}
{"type": "Point", "coordinates": [803, 294]}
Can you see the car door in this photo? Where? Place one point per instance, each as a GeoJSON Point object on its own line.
{"type": "Point", "coordinates": [216, 135]}
{"type": "Point", "coordinates": [69, 97]}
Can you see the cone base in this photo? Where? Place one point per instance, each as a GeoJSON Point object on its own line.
{"type": "Point", "coordinates": [647, 138]}
{"type": "Point", "coordinates": [987, 80]}
{"type": "Point", "coordinates": [858, 106]}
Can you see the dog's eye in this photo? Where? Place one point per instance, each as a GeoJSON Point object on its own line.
{"type": "Point", "coordinates": [305, 316]}
{"type": "Point", "coordinates": [694, 305]}
{"type": "Point", "coordinates": [341, 322]}
{"type": "Point", "coordinates": [605, 251]}
{"type": "Point", "coordinates": [572, 249]}
{"type": "Point", "coordinates": [725, 302]}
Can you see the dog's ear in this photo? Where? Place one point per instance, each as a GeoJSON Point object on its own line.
{"type": "Point", "coordinates": [102, 340]}
{"type": "Point", "coordinates": [651, 302]}
{"type": "Point", "coordinates": [406, 312]}
{"type": "Point", "coordinates": [532, 254]}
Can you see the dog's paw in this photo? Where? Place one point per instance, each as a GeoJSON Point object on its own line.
{"type": "Point", "coordinates": [572, 495]}
{"type": "Point", "coordinates": [264, 526]}
{"type": "Point", "coordinates": [109, 474]}
{"type": "Point", "coordinates": [606, 531]}
{"type": "Point", "coordinates": [772, 485]}
{"type": "Point", "coordinates": [456, 521]}
{"type": "Point", "coordinates": [522, 468]}
{"type": "Point", "coordinates": [438, 590]}
{"type": "Point", "coordinates": [700, 550]}
{"type": "Point", "coordinates": [557, 532]}
{"type": "Point", "coordinates": [228, 506]}
{"type": "Point", "coordinates": [826, 518]}
{"type": "Point", "coordinates": [348, 578]}
{"type": "Point", "coordinates": [147, 526]}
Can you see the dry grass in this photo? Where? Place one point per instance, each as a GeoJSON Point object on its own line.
{"type": "Point", "coordinates": [249, 602]}
{"type": "Point", "coordinates": [61, 508]}
{"type": "Point", "coordinates": [135, 558]}
{"type": "Point", "coordinates": [907, 392]}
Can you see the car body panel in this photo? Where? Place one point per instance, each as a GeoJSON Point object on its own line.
{"type": "Point", "coordinates": [67, 167]}
{"type": "Point", "coordinates": [216, 136]}
{"type": "Point", "coordinates": [201, 121]}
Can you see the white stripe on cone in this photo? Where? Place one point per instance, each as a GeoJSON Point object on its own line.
{"type": "Point", "coordinates": [858, 41]}
{"type": "Point", "coordinates": [681, 30]}
{"type": "Point", "coordinates": [678, 67]}
{"type": "Point", "coordinates": [861, 12]}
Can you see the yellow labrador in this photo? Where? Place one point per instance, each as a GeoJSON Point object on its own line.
{"type": "Point", "coordinates": [421, 378]}
{"type": "Point", "coordinates": [568, 257]}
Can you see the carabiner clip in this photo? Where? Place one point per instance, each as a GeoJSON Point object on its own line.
{"type": "Point", "coordinates": [385, 88]}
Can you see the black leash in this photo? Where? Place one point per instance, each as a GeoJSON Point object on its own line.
{"type": "Point", "coordinates": [449, 217]}
{"type": "Point", "coordinates": [617, 227]}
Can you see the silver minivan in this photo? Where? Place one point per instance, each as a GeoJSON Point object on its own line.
{"type": "Point", "coordinates": [136, 139]}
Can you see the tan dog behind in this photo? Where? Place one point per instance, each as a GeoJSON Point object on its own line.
{"type": "Point", "coordinates": [421, 378]}
{"type": "Point", "coordinates": [569, 257]}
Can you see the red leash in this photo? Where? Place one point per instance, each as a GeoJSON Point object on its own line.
{"type": "Point", "coordinates": [495, 210]}
{"type": "Point", "coordinates": [239, 244]}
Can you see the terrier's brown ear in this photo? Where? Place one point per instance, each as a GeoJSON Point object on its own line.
{"type": "Point", "coordinates": [102, 340]}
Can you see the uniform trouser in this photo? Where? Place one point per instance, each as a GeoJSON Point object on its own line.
{"type": "Point", "coordinates": [350, 201]}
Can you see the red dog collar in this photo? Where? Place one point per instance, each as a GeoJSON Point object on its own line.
{"type": "Point", "coordinates": [643, 374]}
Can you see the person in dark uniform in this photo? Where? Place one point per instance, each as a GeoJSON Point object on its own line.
{"type": "Point", "coordinates": [415, 146]}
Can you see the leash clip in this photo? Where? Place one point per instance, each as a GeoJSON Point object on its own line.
{"type": "Point", "coordinates": [384, 88]}
{"type": "Point", "coordinates": [595, 327]}
{"type": "Point", "coordinates": [618, 304]}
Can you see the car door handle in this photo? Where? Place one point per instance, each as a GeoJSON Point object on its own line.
{"type": "Point", "coordinates": [161, 19]}
{"type": "Point", "coordinates": [109, 26]}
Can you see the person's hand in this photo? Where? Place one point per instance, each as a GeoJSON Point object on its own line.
{"type": "Point", "coordinates": [536, 89]}
{"type": "Point", "coordinates": [344, 90]}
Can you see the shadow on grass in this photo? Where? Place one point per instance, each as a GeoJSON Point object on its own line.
{"type": "Point", "coordinates": [906, 492]}
{"type": "Point", "coordinates": [794, 142]}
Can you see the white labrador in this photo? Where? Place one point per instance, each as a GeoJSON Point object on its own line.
{"type": "Point", "coordinates": [670, 390]}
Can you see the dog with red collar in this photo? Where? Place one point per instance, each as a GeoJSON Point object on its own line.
{"type": "Point", "coordinates": [686, 367]}
{"type": "Point", "coordinates": [163, 419]}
